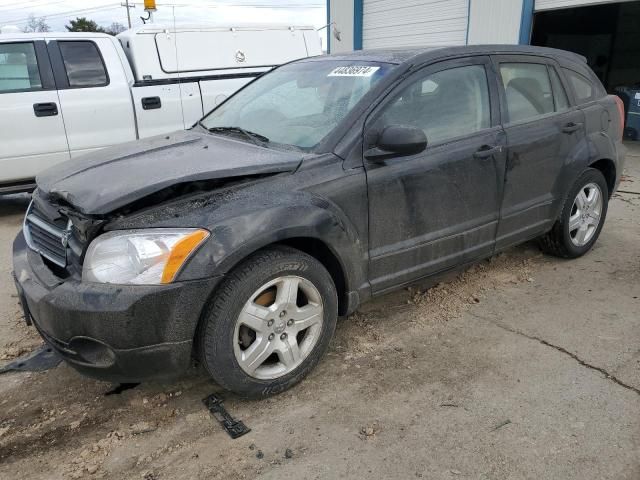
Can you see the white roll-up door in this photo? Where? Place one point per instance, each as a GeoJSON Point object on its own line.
{"type": "Point", "coordinates": [553, 4]}
{"type": "Point", "coordinates": [408, 23]}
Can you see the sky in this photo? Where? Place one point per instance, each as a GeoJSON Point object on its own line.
{"type": "Point", "coordinates": [104, 12]}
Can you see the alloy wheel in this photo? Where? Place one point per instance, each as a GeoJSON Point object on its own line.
{"type": "Point", "coordinates": [586, 214]}
{"type": "Point", "coordinates": [278, 327]}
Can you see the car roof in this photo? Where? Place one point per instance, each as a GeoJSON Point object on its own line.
{"type": "Point", "coordinates": [426, 54]}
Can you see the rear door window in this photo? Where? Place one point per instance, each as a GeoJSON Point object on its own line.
{"type": "Point", "coordinates": [18, 67]}
{"type": "Point", "coordinates": [582, 86]}
{"type": "Point", "coordinates": [527, 89]}
{"type": "Point", "coordinates": [83, 64]}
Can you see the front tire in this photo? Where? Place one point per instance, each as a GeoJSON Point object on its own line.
{"type": "Point", "coordinates": [269, 323]}
{"type": "Point", "coordinates": [582, 217]}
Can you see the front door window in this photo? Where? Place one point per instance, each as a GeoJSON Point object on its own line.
{"type": "Point", "coordinates": [446, 104]}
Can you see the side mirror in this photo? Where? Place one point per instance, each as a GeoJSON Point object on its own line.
{"type": "Point", "coordinates": [398, 140]}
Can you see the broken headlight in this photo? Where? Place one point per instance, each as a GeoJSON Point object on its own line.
{"type": "Point", "coordinates": [143, 257]}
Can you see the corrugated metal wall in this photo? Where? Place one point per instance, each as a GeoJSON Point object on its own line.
{"type": "Point", "coordinates": [552, 4]}
{"type": "Point", "coordinates": [407, 23]}
{"type": "Point", "coordinates": [341, 12]}
{"type": "Point", "coordinates": [495, 21]}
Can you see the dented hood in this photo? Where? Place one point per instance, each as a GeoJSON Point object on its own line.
{"type": "Point", "coordinates": [111, 178]}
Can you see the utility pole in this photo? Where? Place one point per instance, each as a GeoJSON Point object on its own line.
{"type": "Point", "coordinates": [127, 6]}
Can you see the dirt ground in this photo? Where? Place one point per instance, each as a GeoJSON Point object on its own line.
{"type": "Point", "coordinates": [525, 366]}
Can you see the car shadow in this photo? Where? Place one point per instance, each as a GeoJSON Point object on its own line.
{"type": "Point", "coordinates": [14, 204]}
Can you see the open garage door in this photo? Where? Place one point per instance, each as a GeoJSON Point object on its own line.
{"type": "Point", "coordinates": [608, 35]}
{"type": "Point", "coordinates": [553, 4]}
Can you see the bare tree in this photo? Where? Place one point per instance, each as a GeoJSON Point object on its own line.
{"type": "Point", "coordinates": [115, 28]}
{"type": "Point", "coordinates": [36, 25]}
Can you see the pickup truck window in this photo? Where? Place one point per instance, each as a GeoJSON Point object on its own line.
{"type": "Point", "coordinates": [18, 67]}
{"type": "Point", "coordinates": [300, 103]}
{"type": "Point", "coordinates": [83, 64]}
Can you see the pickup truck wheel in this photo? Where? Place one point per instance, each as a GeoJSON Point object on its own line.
{"type": "Point", "coordinates": [582, 217]}
{"type": "Point", "coordinates": [269, 323]}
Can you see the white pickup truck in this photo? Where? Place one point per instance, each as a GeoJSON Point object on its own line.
{"type": "Point", "coordinates": [66, 94]}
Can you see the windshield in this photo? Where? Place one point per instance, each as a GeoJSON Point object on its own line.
{"type": "Point", "coordinates": [297, 104]}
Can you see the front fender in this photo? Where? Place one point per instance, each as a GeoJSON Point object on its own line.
{"type": "Point", "coordinates": [237, 237]}
{"type": "Point", "coordinates": [322, 203]}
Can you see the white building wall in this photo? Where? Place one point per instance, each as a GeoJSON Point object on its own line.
{"type": "Point", "coordinates": [341, 12]}
{"type": "Point", "coordinates": [411, 23]}
{"type": "Point", "coordinates": [408, 23]}
{"type": "Point", "coordinates": [495, 21]}
{"type": "Point", "coordinates": [553, 4]}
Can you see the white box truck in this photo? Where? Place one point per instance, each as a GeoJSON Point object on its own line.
{"type": "Point", "coordinates": [66, 94]}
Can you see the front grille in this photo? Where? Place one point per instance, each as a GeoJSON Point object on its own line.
{"type": "Point", "coordinates": [46, 238]}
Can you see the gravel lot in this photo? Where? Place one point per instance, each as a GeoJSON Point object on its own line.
{"type": "Point", "coordinates": [525, 366]}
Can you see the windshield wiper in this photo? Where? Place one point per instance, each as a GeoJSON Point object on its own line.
{"type": "Point", "coordinates": [253, 136]}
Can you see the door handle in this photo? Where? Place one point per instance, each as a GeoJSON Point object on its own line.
{"type": "Point", "coordinates": [151, 103]}
{"type": "Point", "coordinates": [49, 109]}
{"type": "Point", "coordinates": [487, 151]}
{"type": "Point", "coordinates": [571, 127]}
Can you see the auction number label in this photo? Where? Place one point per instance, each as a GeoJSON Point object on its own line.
{"type": "Point", "coordinates": [353, 71]}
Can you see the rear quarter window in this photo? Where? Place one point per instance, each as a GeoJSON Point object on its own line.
{"type": "Point", "coordinates": [583, 87]}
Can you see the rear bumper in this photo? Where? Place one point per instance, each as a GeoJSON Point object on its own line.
{"type": "Point", "coordinates": [621, 154]}
{"type": "Point", "coordinates": [121, 333]}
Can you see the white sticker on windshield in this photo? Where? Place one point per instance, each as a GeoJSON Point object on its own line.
{"type": "Point", "coordinates": [638, 96]}
{"type": "Point", "coordinates": [353, 71]}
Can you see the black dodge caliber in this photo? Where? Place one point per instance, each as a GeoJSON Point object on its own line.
{"type": "Point", "coordinates": [321, 184]}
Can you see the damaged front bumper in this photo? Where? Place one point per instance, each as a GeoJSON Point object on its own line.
{"type": "Point", "coordinates": [120, 333]}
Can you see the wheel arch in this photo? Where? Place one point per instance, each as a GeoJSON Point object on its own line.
{"type": "Point", "coordinates": [348, 300]}
{"type": "Point", "coordinates": [341, 273]}
{"type": "Point", "coordinates": [607, 167]}
{"type": "Point", "coordinates": [328, 258]}
{"type": "Point", "coordinates": [321, 232]}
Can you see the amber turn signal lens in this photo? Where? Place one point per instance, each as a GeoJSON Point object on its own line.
{"type": "Point", "coordinates": [180, 252]}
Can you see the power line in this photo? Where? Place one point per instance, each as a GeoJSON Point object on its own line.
{"type": "Point", "coordinates": [45, 4]}
{"type": "Point", "coordinates": [189, 5]}
{"type": "Point", "coordinates": [68, 13]}
{"type": "Point", "coordinates": [12, 4]}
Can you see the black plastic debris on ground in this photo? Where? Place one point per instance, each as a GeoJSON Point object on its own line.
{"type": "Point", "coordinates": [235, 428]}
{"type": "Point", "coordinates": [118, 389]}
{"type": "Point", "coordinates": [41, 359]}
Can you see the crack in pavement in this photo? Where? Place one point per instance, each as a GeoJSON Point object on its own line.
{"type": "Point", "coordinates": [606, 374]}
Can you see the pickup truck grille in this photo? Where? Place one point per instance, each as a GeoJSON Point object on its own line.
{"type": "Point", "coordinates": [46, 238]}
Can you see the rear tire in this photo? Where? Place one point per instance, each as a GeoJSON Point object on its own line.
{"type": "Point", "coordinates": [582, 217]}
{"type": "Point", "coordinates": [269, 323]}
